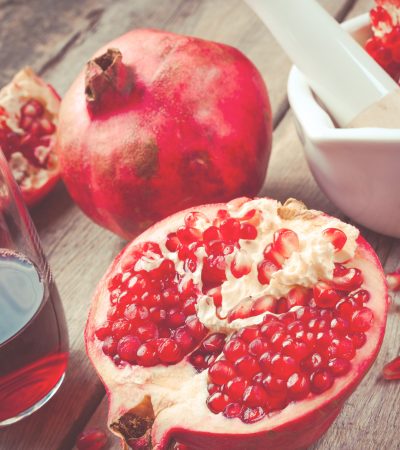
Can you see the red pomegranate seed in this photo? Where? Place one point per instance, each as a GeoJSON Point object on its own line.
{"type": "Point", "coordinates": [103, 331]}
{"type": "Point", "coordinates": [282, 306]}
{"type": "Point", "coordinates": [339, 366]}
{"type": "Point", "coordinates": [212, 388]}
{"type": "Point", "coordinates": [393, 281]}
{"type": "Point", "coordinates": [336, 237]}
{"type": "Point", "coordinates": [277, 340]}
{"type": "Point", "coordinates": [213, 272]}
{"type": "Point", "coordinates": [340, 326]}
{"type": "Point", "coordinates": [283, 366]}
{"type": "Point", "coordinates": [235, 349]}
{"type": "Point", "coordinates": [127, 348]}
{"type": "Point", "coordinates": [360, 297]}
{"type": "Point", "coordinates": [358, 339]}
{"type": "Point", "coordinates": [269, 329]}
{"type": "Point", "coordinates": [346, 279]}
{"type": "Point", "coordinates": [184, 338]}
{"type": "Point", "coordinates": [233, 410]}
{"type": "Point", "coordinates": [254, 396]}
{"type": "Point", "coordinates": [235, 388]}
{"type": "Point", "coordinates": [265, 271]}
{"type": "Point", "coordinates": [362, 320]}
{"type": "Point", "coordinates": [265, 361]}
{"type": "Point", "coordinates": [120, 328]}
{"type": "Point", "coordinates": [146, 331]}
{"type": "Point", "coordinates": [170, 298]}
{"type": "Point", "coordinates": [258, 347]}
{"type": "Point", "coordinates": [230, 230]}
{"type": "Point", "coordinates": [286, 242]}
{"type": "Point", "coordinates": [312, 362]}
{"type": "Point", "coordinates": [156, 314]}
{"type": "Point", "coordinates": [271, 254]}
{"type": "Point", "coordinates": [241, 311]}
{"type": "Point", "coordinates": [189, 307]}
{"type": "Point", "coordinates": [221, 372]}
{"type": "Point", "coordinates": [247, 231]}
{"type": "Point", "coordinates": [175, 318]}
{"type": "Point", "coordinates": [298, 386]}
{"type": "Point", "coordinates": [274, 385]}
{"type": "Point", "coordinates": [109, 346]}
{"type": "Point", "coordinates": [92, 439]}
{"type": "Point", "coordinates": [196, 328]}
{"type": "Point", "coordinates": [321, 380]}
{"type": "Point", "coordinates": [211, 234]}
{"type": "Point", "coordinates": [247, 366]}
{"type": "Point", "coordinates": [299, 296]}
{"type": "Point", "coordinates": [297, 350]}
{"type": "Point", "coordinates": [169, 351]}
{"type": "Point", "coordinates": [248, 334]}
{"type": "Point", "coordinates": [217, 402]}
{"type": "Point", "coordinates": [187, 235]}
{"type": "Point", "coordinates": [325, 296]}
{"type": "Point", "coordinates": [346, 309]}
{"type": "Point", "coordinates": [214, 343]}
{"type": "Point", "coordinates": [172, 243]}
{"type": "Point", "coordinates": [136, 312]}
{"type": "Point", "coordinates": [241, 264]}
{"type": "Point", "coordinates": [198, 361]}
{"type": "Point", "coordinates": [344, 348]}
{"type": "Point", "coordinates": [252, 415]}
{"type": "Point", "coordinates": [391, 370]}
{"type": "Point", "coordinates": [147, 355]}
{"type": "Point", "coordinates": [263, 304]}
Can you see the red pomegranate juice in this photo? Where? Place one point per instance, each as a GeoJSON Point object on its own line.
{"type": "Point", "coordinates": [33, 336]}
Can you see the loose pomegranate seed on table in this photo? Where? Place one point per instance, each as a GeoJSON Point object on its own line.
{"type": "Point", "coordinates": [265, 313]}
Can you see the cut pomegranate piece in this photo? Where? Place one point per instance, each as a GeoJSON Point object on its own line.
{"type": "Point", "coordinates": [28, 121]}
{"type": "Point", "coordinates": [391, 371]}
{"type": "Point", "coordinates": [184, 352]}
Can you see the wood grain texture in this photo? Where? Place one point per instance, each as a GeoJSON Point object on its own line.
{"type": "Point", "coordinates": [64, 36]}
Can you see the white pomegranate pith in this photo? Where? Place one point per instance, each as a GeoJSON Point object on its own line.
{"type": "Point", "coordinates": [245, 311]}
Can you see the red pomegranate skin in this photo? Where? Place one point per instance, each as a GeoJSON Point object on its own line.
{"type": "Point", "coordinates": [183, 121]}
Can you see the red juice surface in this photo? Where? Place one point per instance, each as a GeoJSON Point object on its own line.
{"type": "Point", "coordinates": [33, 336]}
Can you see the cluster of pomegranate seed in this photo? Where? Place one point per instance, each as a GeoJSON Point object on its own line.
{"type": "Point", "coordinates": [385, 49]}
{"type": "Point", "coordinates": [152, 319]}
{"type": "Point", "coordinates": [288, 357]}
{"type": "Point", "coordinates": [36, 135]}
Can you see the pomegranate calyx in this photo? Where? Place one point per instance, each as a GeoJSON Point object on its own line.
{"type": "Point", "coordinates": [135, 425]}
{"type": "Point", "coordinates": [106, 74]}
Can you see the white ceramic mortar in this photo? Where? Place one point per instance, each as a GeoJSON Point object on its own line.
{"type": "Point", "coordinates": [357, 168]}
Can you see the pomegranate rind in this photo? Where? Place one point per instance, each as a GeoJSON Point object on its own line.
{"type": "Point", "coordinates": [182, 137]}
{"type": "Point", "coordinates": [188, 420]}
{"type": "Point", "coordinates": [26, 85]}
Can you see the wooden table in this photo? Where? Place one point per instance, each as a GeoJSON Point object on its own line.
{"type": "Point", "coordinates": [57, 37]}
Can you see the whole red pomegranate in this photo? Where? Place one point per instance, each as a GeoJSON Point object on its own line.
{"type": "Point", "coordinates": [239, 326]}
{"type": "Point", "coordinates": [28, 121]}
{"type": "Point", "coordinates": [158, 122]}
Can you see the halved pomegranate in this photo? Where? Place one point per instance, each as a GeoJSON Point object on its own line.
{"type": "Point", "coordinates": [28, 122]}
{"type": "Point", "coordinates": [215, 330]}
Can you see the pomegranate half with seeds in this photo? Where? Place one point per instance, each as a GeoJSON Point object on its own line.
{"type": "Point", "coordinates": [158, 122]}
{"type": "Point", "coordinates": [241, 326]}
{"type": "Point", "coordinates": [28, 122]}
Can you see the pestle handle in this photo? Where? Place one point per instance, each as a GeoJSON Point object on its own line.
{"type": "Point", "coordinates": [338, 69]}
